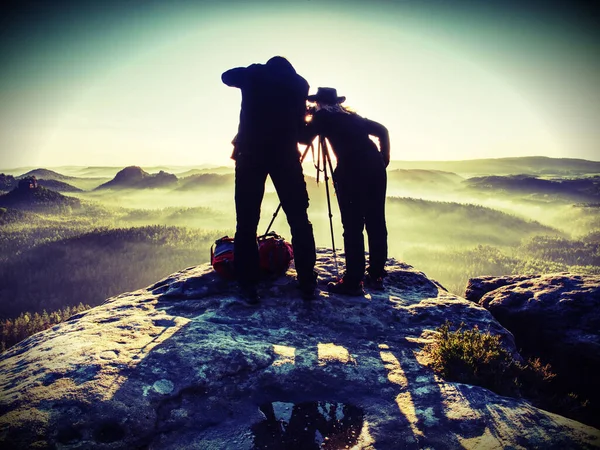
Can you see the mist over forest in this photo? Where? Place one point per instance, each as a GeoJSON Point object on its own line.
{"type": "Point", "coordinates": [87, 233]}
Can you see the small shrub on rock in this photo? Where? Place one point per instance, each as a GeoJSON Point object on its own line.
{"type": "Point", "coordinates": [476, 357]}
{"type": "Point", "coordinates": [473, 357]}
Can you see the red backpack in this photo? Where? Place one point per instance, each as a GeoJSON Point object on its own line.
{"type": "Point", "coordinates": [275, 255]}
{"type": "Point", "coordinates": [221, 257]}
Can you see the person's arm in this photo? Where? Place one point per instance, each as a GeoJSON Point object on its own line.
{"type": "Point", "coordinates": [238, 76]}
{"type": "Point", "coordinates": [381, 133]}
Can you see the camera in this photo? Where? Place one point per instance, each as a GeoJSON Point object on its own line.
{"type": "Point", "coordinates": [310, 112]}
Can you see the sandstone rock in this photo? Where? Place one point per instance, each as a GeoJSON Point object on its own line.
{"type": "Point", "coordinates": [556, 311]}
{"type": "Point", "coordinates": [184, 364]}
{"type": "Point", "coordinates": [478, 287]}
{"type": "Point", "coordinates": [555, 316]}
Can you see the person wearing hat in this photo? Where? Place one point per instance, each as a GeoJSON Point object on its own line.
{"type": "Point", "coordinates": [360, 179]}
{"type": "Point", "coordinates": [271, 120]}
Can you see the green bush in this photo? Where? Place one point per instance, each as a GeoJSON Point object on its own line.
{"type": "Point", "coordinates": [475, 357]}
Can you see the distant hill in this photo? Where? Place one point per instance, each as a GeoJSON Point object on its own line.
{"type": "Point", "coordinates": [37, 199]}
{"type": "Point", "coordinates": [111, 171]}
{"type": "Point", "coordinates": [158, 180]}
{"type": "Point", "coordinates": [57, 181]}
{"type": "Point", "coordinates": [532, 165]}
{"type": "Point", "coordinates": [221, 170]}
{"type": "Point", "coordinates": [46, 174]}
{"type": "Point", "coordinates": [433, 222]}
{"type": "Point", "coordinates": [59, 186]}
{"type": "Point", "coordinates": [204, 180]}
{"type": "Point", "coordinates": [94, 171]}
{"type": "Point", "coordinates": [125, 178]}
{"type": "Point", "coordinates": [7, 182]}
{"type": "Point", "coordinates": [400, 182]}
{"type": "Point", "coordinates": [420, 179]}
{"type": "Point", "coordinates": [573, 190]}
{"type": "Point", "coordinates": [134, 177]}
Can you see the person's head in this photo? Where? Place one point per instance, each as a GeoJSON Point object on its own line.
{"type": "Point", "coordinates": [280, 64]}
{"type": "Point", "coordinates": [326, 96]}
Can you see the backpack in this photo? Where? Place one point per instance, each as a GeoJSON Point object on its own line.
{"type": "Point", "coordinates": [221, 257]}
{"type": "Point", "coordinates": [275, 254]}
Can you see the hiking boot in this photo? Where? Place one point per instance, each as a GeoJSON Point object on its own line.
{"type": "Point", "coordinates": [249, 295]}
{"type": "Point", "coordinates": [345, 288]}
{"type": "Point", "coordinates": [307, 292]}
{"type": "Point", "coordinates": [375, 283]}
{"type": "Point", "coordinates": [308, 288]}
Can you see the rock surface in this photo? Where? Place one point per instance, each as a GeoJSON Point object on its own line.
{"type": "Point", "coordinates": [554, 316]}
{"type": "Point", "coordinates": [184, 364]}
{"type": "Point", "coordinates": [478, 287]}
{"type": "Point", "coordinates": [549, 313]}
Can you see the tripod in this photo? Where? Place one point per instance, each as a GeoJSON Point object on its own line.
{"type": "Point", "coordinates": [323, 158]}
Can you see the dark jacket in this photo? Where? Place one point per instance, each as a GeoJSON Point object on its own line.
{"type": "Point", "coordinates": [273, 107]}
{"type": "Point", "coordinates": [349, 134]}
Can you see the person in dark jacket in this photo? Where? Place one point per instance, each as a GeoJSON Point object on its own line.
{"type": "Point", "coordinates": [360, 179]}
{"type": "Point", "coordinates": [271, 120]}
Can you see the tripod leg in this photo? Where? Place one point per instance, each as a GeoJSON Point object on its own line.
{"type": "Point", "coordinates": [308, 147]}
{"type": "Point", "coordinates": [327, 161]}
{"type": "Point", "coordinates": [330, 167]}
{"type": "Point", "coordinates": [273, 219]}
{"type": "Point", "coordinates": [318, 166]}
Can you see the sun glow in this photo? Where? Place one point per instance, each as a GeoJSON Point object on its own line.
{"type": "Point", "coordinates": [151, 94]}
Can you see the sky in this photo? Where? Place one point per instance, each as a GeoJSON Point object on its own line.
{"type": "Point", "coordinates": [131, 82]}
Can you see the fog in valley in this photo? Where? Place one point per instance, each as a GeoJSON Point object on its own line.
{"type": "Point", "coordinates": [90, 233]}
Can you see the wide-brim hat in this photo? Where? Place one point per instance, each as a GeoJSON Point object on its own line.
{"type": "Point", "coordinates": [326, 95]}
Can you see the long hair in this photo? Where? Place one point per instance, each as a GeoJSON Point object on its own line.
{"type": "Point", "coordinates": [335, 108]}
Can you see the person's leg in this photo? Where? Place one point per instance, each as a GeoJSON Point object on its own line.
{"type": "Point", "coordinates": [375, 224]}
{"type": "Point", "coordinates": [249, 191]}
{"type": "Point", "coordinates": [289, 183]}
{"type": "Point", "coordinates": [351, 210]}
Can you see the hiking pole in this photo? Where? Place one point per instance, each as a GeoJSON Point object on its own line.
{"type": "Point", "coordinates": [327, 160]}
{"type": "Point", "coordinates": [308, 147]}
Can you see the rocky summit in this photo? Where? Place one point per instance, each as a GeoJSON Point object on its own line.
{"type": "Point", "coordinates": [553, 316]}
{"type": "Point", "coordinates": [184, 364]}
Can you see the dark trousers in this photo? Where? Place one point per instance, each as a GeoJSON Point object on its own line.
{"type": "Point", "coordinates": [288, 179]}
{"type": "Point", "coordinates": [361, 197]}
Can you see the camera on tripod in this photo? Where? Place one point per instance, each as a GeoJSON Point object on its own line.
{"type": "Point", "coordinates": [310, 111]}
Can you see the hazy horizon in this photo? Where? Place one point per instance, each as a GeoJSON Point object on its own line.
{"type": "Point", "coordinates": [231, 164]}
{"type": "Point", "coordinates": [125, 83]}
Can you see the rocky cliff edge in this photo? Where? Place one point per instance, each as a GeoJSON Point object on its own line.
{"type": "Point", "coordinates": [183, 364]}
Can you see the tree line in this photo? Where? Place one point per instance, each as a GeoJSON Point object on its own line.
{"type": "Point", "coordinates": [27, 324]}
